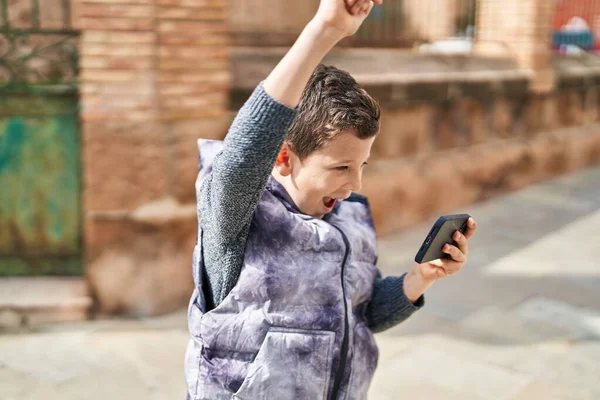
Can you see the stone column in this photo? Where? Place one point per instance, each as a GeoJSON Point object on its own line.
{"type": "Point", "coordinates": [522, 28]}
{"type": "Point", "coordinates": [154, 78]}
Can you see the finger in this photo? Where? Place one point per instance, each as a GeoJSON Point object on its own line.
{"type": "Point", "coordinates": [357, 7]}
{"type": "Point", "coordinates": [350, 3]}
{"type": "Point", "coordinates": [471, 228]}
{"type": "Point", "coordinates": [367, 9]}
{"type": "Point", "coordinates": [461, 242]}
{"type": "Point", "coordinates": [455, 253]}
{"type": "Point", "coordinates": [378, 2]}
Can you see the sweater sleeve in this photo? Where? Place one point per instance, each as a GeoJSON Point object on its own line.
{"type": "Point", "coordinates": [389, 305]}
{"type": "Point", "coordinates": [241, 170]}
{"type": "Point", "coordinates": [228, 196]}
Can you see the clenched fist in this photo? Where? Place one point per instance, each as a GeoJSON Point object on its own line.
{"type": "Point", "coordinates": [346, 16]}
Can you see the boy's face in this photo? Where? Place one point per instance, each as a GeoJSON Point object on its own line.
{"type": "Point", "coordinates": [327, 175]}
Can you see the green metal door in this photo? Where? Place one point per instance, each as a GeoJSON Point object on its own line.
{"type": "Point", "coordinates": [40, 171]}
{"type": "Point", "coordinates": [40, 212]}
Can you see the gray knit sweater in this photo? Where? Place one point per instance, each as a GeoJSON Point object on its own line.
{"type": "Point", "coordinates": [229, 195]}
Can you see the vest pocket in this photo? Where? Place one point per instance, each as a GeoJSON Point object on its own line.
{"type": "Point", "coordinates": [291, 363]}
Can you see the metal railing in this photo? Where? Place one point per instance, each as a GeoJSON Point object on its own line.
{"type": "Point", "coordinates": [37, 43]}
{"type": "Point", "coordinates": [395, 24]}
{"type": "Point", "coordinates": [407, 23]}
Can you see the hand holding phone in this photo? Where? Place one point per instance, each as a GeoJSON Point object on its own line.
{"type": "Point", "coordinates": [441, 233]}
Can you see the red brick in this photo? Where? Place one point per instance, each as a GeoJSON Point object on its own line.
{"type": "Point", "coordinates": [192, 3]}
{"type": "Point", "coordinates": [118, 37]}
{"type": "Point", "coordinates": [116, 24]}
{"type": "Point", "coordinates": [199, 14]}
{"type": "Point", "coordinates": [99, 116]}
{"type": "Point", "coordinates": [193, 52]}
{"type": "Point", "coordinates": [195, 77]}
{"type": "Point", "coordinates": [90, 75]}
{"type": "Point", "coordinates": [116, 63]}
{"type": "Point", "coordinates": [179, 114]}
{"type": "Point", "coordinates": [191, 67]}
{"type": "Point", "coordinates": [114, 10]}
{"type": "Point", "coordinates": [138, 88]}
{"type": "Point", "coordinates": [191, 101]}
{"type": "Point", "coordinates": [118, 49]}
{"type": "Point", "coordinates": [191, 28]}
{"type": "Point", "coordinates": [179, 89]}
{"type": "Point", "coordinates": [212, 38]}
{"type": "Point", "coordinates": [117, 2]}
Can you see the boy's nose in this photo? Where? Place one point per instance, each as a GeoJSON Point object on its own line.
{"type": "Point", "coordinates": [356, 183]}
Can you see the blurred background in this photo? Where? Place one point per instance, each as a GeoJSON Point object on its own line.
{"type": "Point", "coordinates": [488, 107]}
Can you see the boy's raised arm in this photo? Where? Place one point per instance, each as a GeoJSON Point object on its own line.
{"type": "Point", "coordinates": [239, 176]}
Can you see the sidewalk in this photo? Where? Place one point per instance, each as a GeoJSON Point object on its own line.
{"type": "Point", "coordinates": [520, 322]}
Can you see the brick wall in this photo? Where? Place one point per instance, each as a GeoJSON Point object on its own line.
{"type": "Point", "coordinates": [520, 28]}
{"type": "Point", "coordinates": [154, 78]}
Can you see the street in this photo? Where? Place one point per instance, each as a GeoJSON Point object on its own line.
{"type": "Point", "coordinates": [521, 321]}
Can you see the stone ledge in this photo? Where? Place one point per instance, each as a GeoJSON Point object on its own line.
{"type": "Point", "coordinates": [576, 72]}
{"type": "Point", "coordinates": [156, 213]}
{"type": "Point", "coordinates": [406, 191]}
{"type": "Point", "coordinates": [26, 302]}
{"type": "Point", "coordinates": [396, 77]}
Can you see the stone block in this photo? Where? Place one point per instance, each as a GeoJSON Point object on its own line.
{"type": "Point", "coordinates": [549, 112]}
{"type": "Point", "coordinates": [403, 132]}
{"type": "Point", "coordinates": [444, 126]}
{"type": "Point", "coordinates": [472, 121]}
{"type": "Point", "coordinates": [142, 266]}
{"type": "Point", "coordinates": [461, 122]}
{"type": "Point", "coordinates": [530, 119]}
{"type": "Point", "coordinates": [403, 193]}
{"type": "Point", "coordinates": [394, 190]}
{"type": "Point", "coordinates": [502, 117]}
{"type": "Point", "coordinates": [570, 103]}
{"type": "Point", "coordinates": [549, 156]}
{"type": "Point", "coordinates": [493, 168]}
{"type": "Point", "coordinates": [590, 106]}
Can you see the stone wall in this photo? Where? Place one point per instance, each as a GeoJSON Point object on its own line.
{"type": "Point", "coordinates": [154, 78]}
{"type": "Point", "coordinates": [458, 130]}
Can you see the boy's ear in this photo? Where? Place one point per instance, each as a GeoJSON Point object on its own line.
{"type": "Point", "coordinates": [282, 164]}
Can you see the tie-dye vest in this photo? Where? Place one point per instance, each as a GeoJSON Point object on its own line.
{"type": "Point", "coordinates": [293, 327]}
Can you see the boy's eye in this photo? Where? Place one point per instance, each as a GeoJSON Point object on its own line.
{"type": "Point", "coordinates": [342, 168]}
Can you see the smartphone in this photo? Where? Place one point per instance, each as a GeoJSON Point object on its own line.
{"type": "Point", "coordinates": [441, 233]}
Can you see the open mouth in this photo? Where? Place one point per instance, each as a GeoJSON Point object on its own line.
{"type": "Point", "coordinates": [329, 202]}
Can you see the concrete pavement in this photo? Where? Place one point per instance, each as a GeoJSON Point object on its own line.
{"type": "Point", "coordinates": [520, 322]}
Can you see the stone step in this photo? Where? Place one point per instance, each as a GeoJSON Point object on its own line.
{"type": "Point", "coordinates": [27, 302]}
